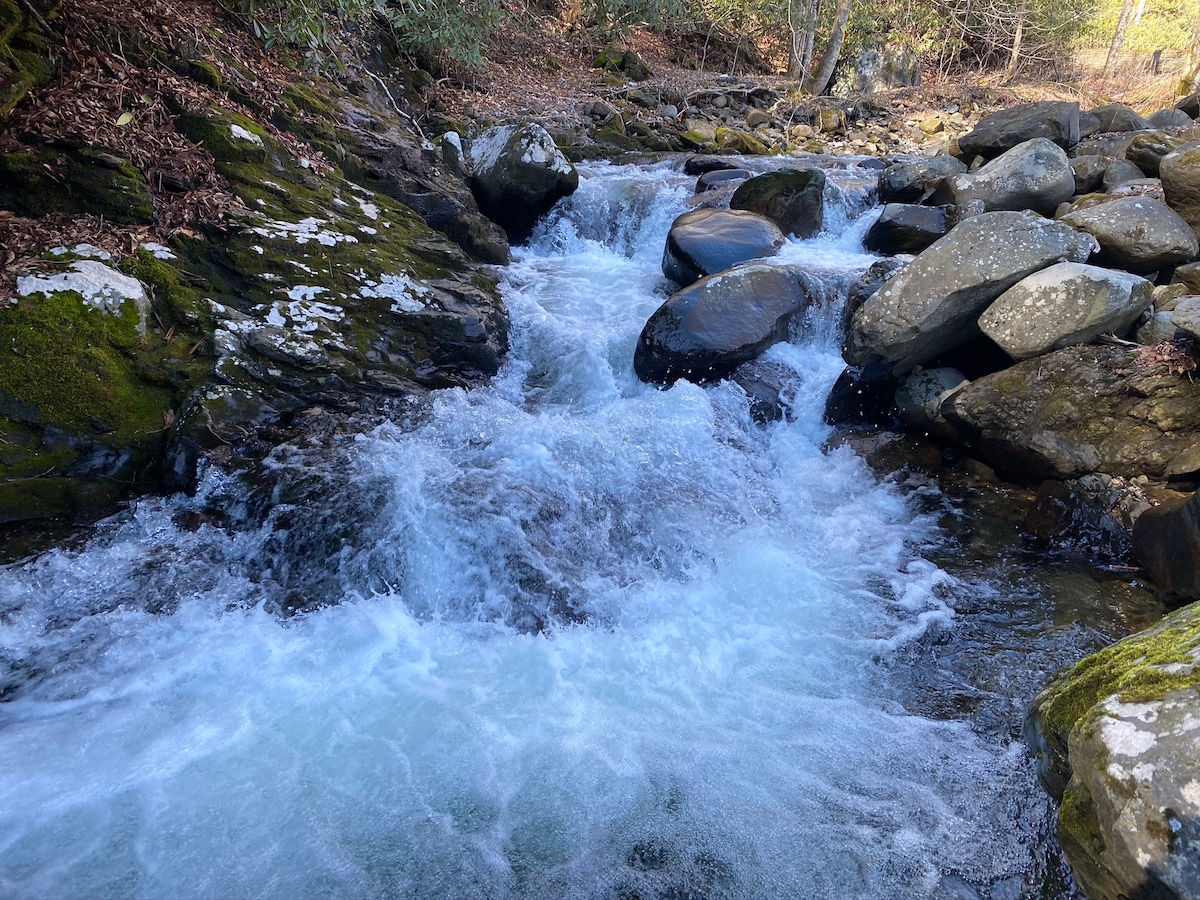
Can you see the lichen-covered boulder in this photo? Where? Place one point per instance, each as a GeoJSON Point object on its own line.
{"type": "Point", "coordinates": [1135, 233]}
{"type": "Point", "coordinates": [905, 228]}
{"type": "Point", "coordinates": [708, 329]}
{"type": "Point", "coordinates": [88, 391]}
{"type": "Point", "coordinates": [1146, 151]}
{"type": "Point", "coordinates": [707, 241]}
{"type": "Point", "coordinates": [911, 180]}
{"type": "Point", "coordinates": [1117, 739]}
{"type": "Point", "coordinates": [1065, 304]}
{"type": "Point", "coordinates": [1179, 171]}
{"type": "Point", "coordinates": [518, 175]}
{"type": "Point", "coordinates": [1054, 120]}
{"type": "Point", "coordinates": [1080, 410]}
{"type": "Point", "coordinates": [75, 179]}
{"type": "Point", "coordinates": [933, 304]}
{"type": "Point", "coordinates": [1033, 175]}
{"type": "Point", "coordinates": [791, 198]}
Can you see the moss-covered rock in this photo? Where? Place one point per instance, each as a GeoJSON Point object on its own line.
{"type": "Point", "coordinates": [25, 58]}
{"type": "Point", "coordinates": [75, 179]}
{"type": "Point", "coordinates": [1116, 738]}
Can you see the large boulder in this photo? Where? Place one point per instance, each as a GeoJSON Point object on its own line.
{"type": "Point", "coordinates": [1116, 741]}
{"type": "Point", "coordinates": [707, 241]}
{"type": "Point", "coordinates": [518, 175]}
{"type": "Point", "coordinates": [1146, 151]}
{"type": "Point", "coordinates": [791, 198]}
{"type": "Point", "coordinates": [911, 180]}
{"type": "Point", "coordinates": [1117, 117]}
{"type": "Point", "coordinates": [1166, 541]}
{"type": "Point", "coordinates": [1169, 118]}
{"type": "Point", "coordinates": [1054, 120]}
{"type": "Point", "coordinates": [1033, 175]}
{"type": "Point", "coordinates": [1080, 410]}
{"type": "Point", "coordinates": [1065, 304]}
{"type": "Point", "coordinates": [1180, 174]}
{"type": "Point", "coordinates": [1136, 233]}
{"type": "Point", "coordinates": [708, 329]}
{"type": "Point", "coordinates": [906, 228]}
{"type": "Point", "coordinates": [933, 304]}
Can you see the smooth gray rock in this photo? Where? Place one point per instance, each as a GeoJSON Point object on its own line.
{"type": "Point", "coordinates": [707, 241]}
{"type": "Point", "coordinates": [1170, 118]}
{"type": "Point", "coordinates": [919, 399]}
{"type": "Point", "coordinates": [1186, 316]}
{"type": "Point", "coordinates": [1120, 171]}
{"type": "Point", "coordinates": [1136, 233]}
{"type": "Point", "coordinates": [1189, 276]}
{"type": "Point", "coordinates": [518, 175]}
{"type": "Point", "coordinates": [1117, 117]}
{"type": "Point", "coordinates": [1089, 172]}
{"type": "Point", "coordinates": [1065, 304]}
{"type": "Point", "coordinates": [706, 330]}
{"type": "Point", "coordinates": [1166, 541]}
{"type": "Point", "coordinates": [1116, 739]}
{"type": "Point", "coordinates": [1180, 175]}
{"type": "Point", "coordinates": [932, 305]}
{"type": "Point", "coordinates": [791, 198]}
{"type": "Point", "coordinates": [1147, 150]}
{"type": "Point", "coordinates": [1083, 409]}
{"type": "Point", "coordinates": [911, 180]}
{"type": "Point", "coordinates": [1054, 120]}
{"type": "Point", "coordinates": [1156, 328]}
{"type": "Point", "coordinates": [709, 180]}
{"type": "Point", "coordinates": [1034, 175]}
{"type": "Point", "coordinates": [905, 228]}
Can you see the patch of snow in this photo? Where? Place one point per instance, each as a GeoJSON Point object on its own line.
{"type": "Point", "coordinates": [158, 251]}
{"type": "Point", "coordinates": [101, 287]}
{"type": "Point", "coordinates": [402, 290]}
{"type": "Point", "coordinates": [304, 231]}
{"type": "Point", "coordinates": [304, 292]}
{"type": "Point", "coordinates": [243, 135]}
{"type": "Point", "coordinates": [370, 210]}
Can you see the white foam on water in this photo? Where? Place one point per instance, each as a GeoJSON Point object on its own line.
{"type": "Point", "coordinates": [595, 639]}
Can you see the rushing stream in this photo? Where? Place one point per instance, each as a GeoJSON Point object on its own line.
{"type": "Point", "coordinates": [584, 638]}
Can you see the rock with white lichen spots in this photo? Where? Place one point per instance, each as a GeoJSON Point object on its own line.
{"type": "Point", "coordinates": [1117, 740]}
{"type": "Point", "coordinates": [518, 175]}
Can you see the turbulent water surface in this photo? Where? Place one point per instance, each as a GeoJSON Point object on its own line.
{"type": "Point", "coordinates": [582, 637]}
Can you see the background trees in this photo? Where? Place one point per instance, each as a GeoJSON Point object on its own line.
{"type": "Point", "coordinates": [807, 39]}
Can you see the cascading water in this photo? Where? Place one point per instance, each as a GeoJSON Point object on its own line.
{"type": "Point", "coordinates": [584, 638]}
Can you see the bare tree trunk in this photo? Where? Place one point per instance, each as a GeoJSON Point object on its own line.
{"type": "Point", "coordinates": [1118, 39]}
{"type": "Point", "coordinates": [1014, 58]}
{"type": "Point", "coordinates": [833, 50]}
{"type": "Point", "coordinates": [803, 17]}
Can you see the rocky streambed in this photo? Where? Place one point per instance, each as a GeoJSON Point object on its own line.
{"type": "Point", "coordinates": [1030, 320]}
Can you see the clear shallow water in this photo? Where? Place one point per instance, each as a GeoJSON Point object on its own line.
{"type": "Point", "coordinates": [586, 638]}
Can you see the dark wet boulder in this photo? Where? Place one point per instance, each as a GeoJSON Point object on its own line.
{"type": "Point", "coordinates": [933, 304]}
{"type": "Point", "coordinates": [919, 400]}
{"type": "Point", "coordinates": [698, 165]}
{"type": "Point", "coordinates": [1054, 120]}
{"type": "Point", "coordinates": [1136, 233]}
{"type": "Point", "coordinates": [1117, 117]}
{"type": "Point", "coordinates": [791, 198]}
{"type": "Point", "coordinates": [770, 389]}
{"type": "Point", "coordinates": [1034, 175]}
{"type": "Point", "coordinates": [906, 228]}
{"type": "Point", "coordinates": [75, 179]}
{"type": "Point", "coordinates": [707, 241]}
{"type": "Point", "coordinates": [1081, 410]}
{"type": "Point", "coordinates": [857, 401]}
{"type": "Point", "coordinates": [1166, 540]}
{"type": "Point", "coordinates": [518, 174]}
{"type": "Point", "coordinates": [912, 180]}
{"type": "Point", "coordinates": [1089, 516]}
{"type": "Point", "coordinates": [705, 331]}
{"type": "Point", "coordinates": [1065, 304]}
{"type": "Point", "coordinates": [720, 178]}
{"type": "Point", "coordinates": [1115, 741]}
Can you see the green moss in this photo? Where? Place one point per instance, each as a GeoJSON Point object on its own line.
{"type": "Point", "coordinates": [303, 97]}
{"type": "Point", "coordinates": [1137, 670]}
{"type": "Point", "coordinates": [734, 141]}
{"type": "Point", "coordinates": [75, 180]}
{"type": "Point", "coordinates": [73, 365]}
{"type": "Point", "coordinates": [1078, 822]}
{"type": "Point", "coordinates": [217, 134]}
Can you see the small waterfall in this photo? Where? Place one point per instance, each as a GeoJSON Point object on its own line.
{"type": "Point", "coordinates": [581, 637]}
